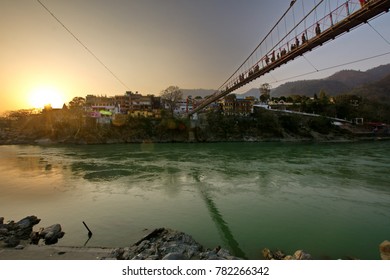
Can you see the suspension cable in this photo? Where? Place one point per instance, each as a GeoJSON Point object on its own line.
{"type": "Point", "coordinates": [310, 62]}
{"type": "Point", "coordinates": [332, 67]}
{"type": "Point", "coordinates": [293, 14]}
{"type": "Point", "coordinates": [82, 44]}
{"type": "Point", "coordinates": [264, 39]}
{"type": "Point", "coordinates": [314, 9]}
{"type": "Point", "coordinates": [379, 34]}
{"type": "Point", "coordinates": [303, 10]}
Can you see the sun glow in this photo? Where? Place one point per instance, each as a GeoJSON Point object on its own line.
{"type": "Point", "coordinates": [42, 96]}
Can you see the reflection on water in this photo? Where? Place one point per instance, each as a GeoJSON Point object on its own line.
{"type": "Point", "coordinates": [223, 228]}
{"type": "Point", "coordinates": [243, 196]}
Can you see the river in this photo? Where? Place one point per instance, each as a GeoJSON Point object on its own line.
{"type": "Point", "coordinates": [329, 199]}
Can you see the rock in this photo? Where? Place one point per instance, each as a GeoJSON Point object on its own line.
{"type": "Point", "coordinates": [34, 237]}
{"type": "Point", "coordinates": [152, 257]}
{"type": "Point", "coordinates": [267, 254]}
{"type": "Point", "coordinates": [174, 256]}
{"type": "Point", "coordinates": [301, 255]}
{"type": "Point", "coordinates": [1, 220]}
{"type": "Point", "coordinates": [12, 241]}
{"type": "Point", "coordinates": [51, 234]}
{"type": "Point", "coordinates": [223, 253]}
{"type": "Point", "coordinates": [24, 227]}
{"type": "Point", "coordinates": [168, 244]}
{"type": "Point", "coordinates": [3, 231]}
{"type": "Point", "coordinates": [384, 249]}
{"type": "Point", "coordinates": [117, 253]}
{"type": "Point", "coordinates": [19, 247]}
{"type": "Point", "coordinates": [208, 255]}
{"type": "Point", "coordinates": [279, 255]}
{"type": "Point", "coordinates": [126, 253]}
{"type": "Point", "coordinates": [145, 244]}
{"type": "Point", "coordinates": [28, 222]}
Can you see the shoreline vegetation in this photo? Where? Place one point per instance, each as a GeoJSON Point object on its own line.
{"type": "Point", "coordinates": [69, 127]}
{"type": "Point", "coordinates": [18, 241]}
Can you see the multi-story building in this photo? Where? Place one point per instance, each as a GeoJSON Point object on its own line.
{"type": "Point", "coordinates": [101, 101]}
{"type": "Point", "coordinates": [242, 106]}
{"type": "Point", "coordinates": [229, 104]}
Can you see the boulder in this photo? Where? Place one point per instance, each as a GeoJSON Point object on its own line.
{"type": "Point", "coordinates": [23, 228]}
{"type": "Point", "coordinates": [28, 222]}
{"type": "Point", "coordinates": [51, 234]}
{"type": "Point", "coordinates": [223, 253]}
{"type": "Point", "coordinates": [12, 241]}
{"type": "Point", "coordinates": [384, 249]}
{"type": "Point", "coordinates": [280, 255]}
{"type": "Point", "coordinates": [267, 254]}
{"type": "Point", "coordinates": [34, 237]}
{"type": "Point", "coordinates": [174, 256]}
{"type": "Point", "coordinates": [301, 255]}
{"type": "Point", "coordinates": [168, 244]}
{"type": "Point", "coordinates": [1, 220]}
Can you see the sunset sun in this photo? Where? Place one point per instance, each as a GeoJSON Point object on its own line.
{"type": "Point", "coordinates": [42, 96]}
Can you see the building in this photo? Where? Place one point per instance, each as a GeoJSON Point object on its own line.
{"type": "Point", "coordinates": [237, 106]}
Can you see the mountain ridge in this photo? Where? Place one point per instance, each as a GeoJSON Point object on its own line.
{"type": "Point", "coordinates": [342, 82]}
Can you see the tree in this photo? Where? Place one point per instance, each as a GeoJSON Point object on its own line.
{"type": "Point", "coordinates": [76, 106]}
{"type": "Point", "coordinates": [171, 96]}
{"type": "Point", "coordinates": [77, 103]}
{"type": "Point", "coordinates": [265, 92]}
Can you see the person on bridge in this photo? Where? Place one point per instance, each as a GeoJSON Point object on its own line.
{"type": "Point", "coordinates": [363, 2]}
{"type": "Point", "coordinates": [318, 29]}
{"type": "Point", "coordinates": [303, 38]}
{"type": "Point", "coordinates": [296, 42]}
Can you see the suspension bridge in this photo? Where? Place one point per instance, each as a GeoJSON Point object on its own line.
{"type": "Point", "coordinates": [290, 38]}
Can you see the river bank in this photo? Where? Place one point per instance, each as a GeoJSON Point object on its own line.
{"type": "Point", "coordinates": [14, 139]}
{"type": "Point", "coordinates": [19, 240]}
{"type": "Point", "coordinates": [157, 244]}
{"type": "Point", "coordinates": [266, 127]}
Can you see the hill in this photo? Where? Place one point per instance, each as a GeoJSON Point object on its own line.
{"type": "Point", "coordinates": [378, 91]}
{"type": "Point", "coordinates": [372, 83]}
{"type": "Point", "coordinates": [341, 82]}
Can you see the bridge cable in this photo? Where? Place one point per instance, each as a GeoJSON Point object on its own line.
{"type": "Point", "coordinates": [304, 22]}
{"type": "Point", "coordinates": [315, 12]}
{"type": "Point", "coordinates": [82, 44]}
{"type": "Point", "coordinates": [296, 26]}
{"type": "Point", "coordinates": [331, 67]}
{"type": "Point", "coordinates": [264, 39]}
{"type": "Point", "coordinates": [293, 14]}
{"type": "Point", "coordinates": [379, 34]}
{"type": "Point", "coordinates": [309, 62]}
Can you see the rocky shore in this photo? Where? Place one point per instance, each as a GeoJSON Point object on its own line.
{"type": "Point", "coordinates": [13, 234]}
{"type": "Point", "coordinates": [18, 241]}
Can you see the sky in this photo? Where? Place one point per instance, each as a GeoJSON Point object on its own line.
{"type": "Point", "coordinates": [150, 45]}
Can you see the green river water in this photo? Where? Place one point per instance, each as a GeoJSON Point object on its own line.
{"type": "Point", "coordinates": [330, 199]}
